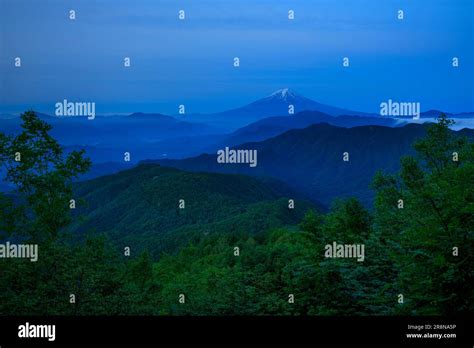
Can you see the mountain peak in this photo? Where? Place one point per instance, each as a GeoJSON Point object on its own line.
{"type": "Point", "coordinates": [284, 93]}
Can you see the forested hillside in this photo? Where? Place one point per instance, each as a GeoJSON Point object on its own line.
{"type": "Point", "coordinates": [162, 209]}
{"type": "Point", "coordinates": [418, 240]}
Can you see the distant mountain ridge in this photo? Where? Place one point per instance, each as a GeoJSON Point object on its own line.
{"type": "Point", "coordinates": [311, 159]}
{"type": "Point", "coordinates": [272, 126]}
{"type": "Point", "coordinates": [157, 136]}
{"type": "Point", "coordinates": [106, 139]}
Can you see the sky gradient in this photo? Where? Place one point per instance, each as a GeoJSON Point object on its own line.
{"type": "Point", "coordinates": [191, 62]}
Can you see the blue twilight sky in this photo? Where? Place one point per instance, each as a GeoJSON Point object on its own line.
{"type": "Point", "coordinates": [191, 62]}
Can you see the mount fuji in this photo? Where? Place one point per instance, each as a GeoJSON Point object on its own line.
{"type": "Point", "coordinates": [276, 104]}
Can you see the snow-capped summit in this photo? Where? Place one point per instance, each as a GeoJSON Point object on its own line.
{"type": "Point", "coordinates": [285, 93]}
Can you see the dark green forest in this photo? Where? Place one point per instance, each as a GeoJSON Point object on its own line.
{"type": "Point", "coordinates": [418, 238]}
